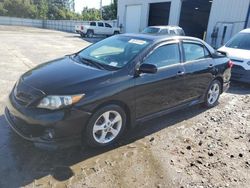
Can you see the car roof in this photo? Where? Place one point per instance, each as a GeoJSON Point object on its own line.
{"type": "Point", "coordinates": [161, 38]}
{"type": "Point", "coordinates": [245, 30]}
{"type": "Point", "coordinates": [165, 26]}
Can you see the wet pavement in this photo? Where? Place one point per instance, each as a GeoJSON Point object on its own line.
{"type": "Point", "coordinates": [177, 150]}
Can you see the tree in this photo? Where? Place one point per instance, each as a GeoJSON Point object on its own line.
{"type": "Point", "coordinates": [90, 14]}
{"type": "Point", "coordinates": [41, 9]}
{"type": "Point", "coordinates": [109, 12]}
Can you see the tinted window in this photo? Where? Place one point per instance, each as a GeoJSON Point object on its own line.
{"type": "Point", "coordinates": [164, 31]}
{"type": "Point", "coordinates": [107, 25]}
{"type": "Point", "coordinates": [100, 24]}
{"type": "Point", "coordinates": [151, 30]}
{"type": "Point", "coordinates": [93, 23]}
{"type": "Point", "coordinates": [240, 41]}
{"type": "Point", "coordinates": [172, 32]}
{"type": "Point", "coordinates": [193, 51]}
{"type": "Point", "coordinates": [164, 56]}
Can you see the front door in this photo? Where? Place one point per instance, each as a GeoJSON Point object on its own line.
{"type": "Point", "coordinates": [162, 90]}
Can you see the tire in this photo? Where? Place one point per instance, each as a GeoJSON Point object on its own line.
{"type": "Point", "coordinates": [90, 34]}
{"type": "Point", "coordinates": [82, 35]}
{"type": "Point", "coordinates": [213, 94]}
{"type": "Point", "coordinates": [102, 130]}
{"type": "Point", "coordinates": [116, 33]}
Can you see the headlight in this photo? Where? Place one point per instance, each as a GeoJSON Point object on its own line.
{"type": "Point", "coordinates": [57, 102]}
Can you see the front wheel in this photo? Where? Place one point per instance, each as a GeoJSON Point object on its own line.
{"type": "Point", "coordinates": [105, 126]}
{"type": "Point", "coordinates": [213, 94]}
{"type": "Point", "coordinates": [90, 34]}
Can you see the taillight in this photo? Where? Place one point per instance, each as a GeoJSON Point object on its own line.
{"type": "Point", "coordinates": [230, 64]}
{"type": "Point", "coordinates": [82, 27]}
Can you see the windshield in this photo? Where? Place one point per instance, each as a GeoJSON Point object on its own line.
{"type": "Point", "coordinates": [151, 30]}
{"type": "Point", "coordinates": [240, 41]}
{"type": "Point", "coordinates": [115, 51]}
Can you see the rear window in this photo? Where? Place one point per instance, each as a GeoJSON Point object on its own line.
{"type": "Point", "coordinates": [240, 41]}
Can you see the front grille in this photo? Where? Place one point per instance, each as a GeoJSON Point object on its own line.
{"type": "Point", "coordinates": [22, 98]}
{"type": "Point", "coordinates": [25, 95]}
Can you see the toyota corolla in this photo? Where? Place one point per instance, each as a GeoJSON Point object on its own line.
{"type": "Point", "coordinates": [92, 96]}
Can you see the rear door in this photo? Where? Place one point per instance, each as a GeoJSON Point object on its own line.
{"type": "Point", "coordinates": [100, 28]}
{"type": "Point", "coordinates": [164, 89]}
{"type": "Point", "coordinates": [199, 68]}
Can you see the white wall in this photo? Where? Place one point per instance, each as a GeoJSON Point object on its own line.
{"type": "Point", "coordinates": [231, 11]}
{"type": "Point", "coordinates": [173, 15]}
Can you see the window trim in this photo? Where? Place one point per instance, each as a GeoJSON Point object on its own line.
{"type": "Point", "coordinates": [164, 44]}
{"type": "Point", "coordinates": [194, 42]}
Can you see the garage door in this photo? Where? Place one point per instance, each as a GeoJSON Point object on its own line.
{"type": "Point", "coordinates": [133, 18]}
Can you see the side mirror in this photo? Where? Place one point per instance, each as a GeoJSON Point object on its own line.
{"type": "Point", "coordinates": [147, 68]}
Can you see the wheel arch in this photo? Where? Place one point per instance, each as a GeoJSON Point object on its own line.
{"type": "Point", "coordinates": [121, 104]}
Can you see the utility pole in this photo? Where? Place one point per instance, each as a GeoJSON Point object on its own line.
{"type": "Point", "coordinates": [101, 8]}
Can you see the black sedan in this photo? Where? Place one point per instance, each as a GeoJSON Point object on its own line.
{"type": "Point", "coordinates": [93, 95]}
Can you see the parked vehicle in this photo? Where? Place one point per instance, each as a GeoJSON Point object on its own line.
{"type": "Point", "coordinates": [117, 83]}
{"type": "Point", "coordinates": [96, 28]}
{"type": "Point", "coordinates": [238, 50]}
{"type": "Point", "coordinates": [164, 30]}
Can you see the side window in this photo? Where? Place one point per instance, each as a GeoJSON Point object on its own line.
{"type": "Point", "coordinates": [164, 56]}
{"type": "Point", "coordinates": [172, 32]}
{"type": "Point", "coordinates": [107, 25]}
{"type": "Point", "coordinates": [193, 51]}
{"type": "Point", "coordinates": [207, 53]}
{"type": "Point", "coordinates": [92, 24]}
{"type": "Point", "coordinates": [164, 31]}
{"type": "Point", "coordinates": [100, 24]}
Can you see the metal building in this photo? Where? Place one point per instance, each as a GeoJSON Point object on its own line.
{"type": "Point", "coordinates": [216, 21]}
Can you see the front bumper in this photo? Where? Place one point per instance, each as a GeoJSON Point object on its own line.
{"type": "Point", "coordinates": [240, 74]}
{"type": "Point", "coordinates": [45, 128]}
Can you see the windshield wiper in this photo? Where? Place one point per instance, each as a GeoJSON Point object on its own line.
{"type": "Point", "coordinates": [91, 62]}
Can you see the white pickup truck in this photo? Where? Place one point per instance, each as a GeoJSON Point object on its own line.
{"type": "Point", "coordinates": [96, 28]}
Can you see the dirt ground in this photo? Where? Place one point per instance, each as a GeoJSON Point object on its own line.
{"type": "Point", "coordinates": [195, 147]}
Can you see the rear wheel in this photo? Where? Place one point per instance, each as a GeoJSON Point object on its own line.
{"type": "Point", "coordinates": [90, 34]}
{"type": "Point", "coordinates": [105, 126]}
{"type": "Point", "coordinates": [213, 94]}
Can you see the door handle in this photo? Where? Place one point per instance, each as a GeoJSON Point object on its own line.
{"type": "Point", "coordinates": [210, 66]}
{"type": "Point", "coordinates": [180, 73]}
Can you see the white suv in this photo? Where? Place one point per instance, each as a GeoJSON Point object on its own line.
{"type": "Point", "coordinates": [238, 50]}
{"type": "Point", "coordinates": [96, 28]}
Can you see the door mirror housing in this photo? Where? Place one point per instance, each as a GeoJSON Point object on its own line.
{"type": "Point", "coordinates": [147, 68]}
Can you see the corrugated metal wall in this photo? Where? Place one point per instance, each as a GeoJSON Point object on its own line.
{"type": "Point", "coordinates": [227, 12]}
{"type": "Point", "coordinates": [173, 16]}
{"type": "Point", "coordinates": [222, 11]}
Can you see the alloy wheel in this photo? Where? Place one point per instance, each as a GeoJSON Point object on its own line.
{"type": "Point", "coordinates": [107, 127]}
{"type": "Point", "coordinates": [213, 93]}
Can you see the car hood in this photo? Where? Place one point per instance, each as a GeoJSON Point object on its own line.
{"type": "Point", "coordinates": [236, 53]}
{"type": "Point", "coordinates": [64, 76]}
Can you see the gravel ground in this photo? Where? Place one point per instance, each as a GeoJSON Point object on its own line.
{"type": "Point", "coordinates": [194, 147]}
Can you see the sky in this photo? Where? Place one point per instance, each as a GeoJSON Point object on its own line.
{"type": "Point", "coordinates": [79, 4]}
